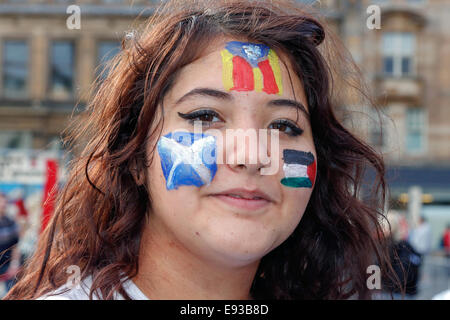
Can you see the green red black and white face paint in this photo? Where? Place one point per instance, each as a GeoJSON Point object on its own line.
{"type": "Point", "coordinates": [299, 169]}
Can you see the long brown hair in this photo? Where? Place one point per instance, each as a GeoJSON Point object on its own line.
{"type": "Point", "coordinates": [101, 211]}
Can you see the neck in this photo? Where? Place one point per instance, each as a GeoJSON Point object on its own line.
{"type": "Point", "coordinates": [167, 270]}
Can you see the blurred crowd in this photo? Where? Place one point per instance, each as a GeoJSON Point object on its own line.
{"type": "Point", "coordinates": [17, 239]}
{"type": "Point", "coordinates": [410, 244]}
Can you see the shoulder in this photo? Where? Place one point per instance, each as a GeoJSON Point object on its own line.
{"type": "Point", "coordinates": [81, 291]}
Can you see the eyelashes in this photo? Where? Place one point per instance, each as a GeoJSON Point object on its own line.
{"type": "Point", "coordinates": [209, 117]}
{"type": "Point", "coordinates": [286, 126]}
{"type": "Point", "coordinates": [205, 116]}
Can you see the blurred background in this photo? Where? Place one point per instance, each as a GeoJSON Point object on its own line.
{"type": "Point", "coordinates": [48, 64]}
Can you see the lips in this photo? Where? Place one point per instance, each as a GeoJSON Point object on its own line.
{"type": "Point", "coordinates": [244, 199]}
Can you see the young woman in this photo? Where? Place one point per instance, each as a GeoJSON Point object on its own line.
{"type": "Point", "coordinates": [165, 203]}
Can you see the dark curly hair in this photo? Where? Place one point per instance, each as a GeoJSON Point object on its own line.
{"type": "Point", "coordinates": [101, 211]}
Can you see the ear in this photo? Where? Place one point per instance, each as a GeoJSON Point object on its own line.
{"type": "Point", "coordinates": [137, 171]}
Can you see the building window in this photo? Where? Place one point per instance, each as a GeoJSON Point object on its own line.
{"type": "Point", "coordinates": [307, 1]}
{"type": "Point", "coordinates": [113, 1]}
{"type": "Point", "coordinates": [61, 69]}
{"type": "Point", "coordinates": [398, 53]}
{"type": "Point", "coordinates": [415, 127]}
{"type": "Point", "coordinates": [54, 143]}
{"type": "Point", "coordinates": [15, 68]}
{"type": "Point", "coordinates": [105, 52]}
{"type": "Point", "coordinates": [416, 1]}
{"type": "Point", "coordinates": [15, 140]}
{"type": "Point", "coordinates": [377, 128]}
{"type": "Point", "coordinates": [376, 137]}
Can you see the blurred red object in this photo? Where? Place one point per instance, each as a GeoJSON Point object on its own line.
{"type": "Point", "coordinates": [21, 206]}
{"type": "Point", "coordinates": [49, 192]}
{"type": "Point", "coordinates": [446, 240]}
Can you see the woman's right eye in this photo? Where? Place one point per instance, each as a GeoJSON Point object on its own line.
{"type": "Point", "coordinates": [207, 117]}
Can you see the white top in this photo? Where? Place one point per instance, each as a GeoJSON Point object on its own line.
{"type": "Point", "coordinates": [81, 292]}
{"type": "Point", "coordinates": [421, 238]}
{"type": "Point", "coordinates": [444, 295]}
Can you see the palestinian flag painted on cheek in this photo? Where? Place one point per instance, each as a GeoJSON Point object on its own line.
{"type": "Point", "coordinates": [299, 169]}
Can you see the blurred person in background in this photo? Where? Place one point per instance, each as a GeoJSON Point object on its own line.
{"type": "Point", "coordinates": [420, 237]}
{"type": "Point", "coordinates": [405, 259]}
{"type": "Point", "coordinates": [445, 245]}
{"type": "Point", "coordinates": [27, 229]}
{"type": "Point", "coordinates": [445, 241]}
{"type": "Point", "coordinates": [412, 253]}
{"type": "Point", "coordinates": [9, 251]}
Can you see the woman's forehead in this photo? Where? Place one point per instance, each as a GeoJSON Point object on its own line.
{"type": "Point", "coordinates": [237, 65]}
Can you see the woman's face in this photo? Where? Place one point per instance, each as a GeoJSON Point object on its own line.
{"type": "Point", "coordinates": [225, 210]}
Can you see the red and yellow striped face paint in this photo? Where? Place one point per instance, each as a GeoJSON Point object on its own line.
{"type": "Point", "coordinates": [250, 66]}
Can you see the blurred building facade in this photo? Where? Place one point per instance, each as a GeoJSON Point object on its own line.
{"type": "Point", "coordinates": [46, 69]}
{"type": "Point", "coordinates": [406, 64]}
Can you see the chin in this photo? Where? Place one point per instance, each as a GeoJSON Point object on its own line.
{"type": "Point", "coordinates": [239, 249]}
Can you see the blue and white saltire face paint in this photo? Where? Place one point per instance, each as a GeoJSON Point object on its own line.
{"type": "Point", "coordinates": [187, 159]}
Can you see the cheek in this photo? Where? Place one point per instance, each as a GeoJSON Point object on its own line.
{"type": "Point", "coordinates": [297, 177]}
{"type": "Point", "coordinates": [299, 169]}
{"type": "Point", "coordinates": [184, 159]}
{"type": "Point", "coordinates": [295, 202]}
{"type": "Point", "coordinates": [172, 206]}
{"type": "Point", "coordinates": [156, 182]}
{"type": "Point", "coordinates": [296, 199]}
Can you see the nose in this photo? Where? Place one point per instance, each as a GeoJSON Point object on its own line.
{"type": "Point", "coordinates": [246, 149]}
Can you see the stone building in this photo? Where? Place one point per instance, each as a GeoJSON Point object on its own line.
{"type": "Point", "coordinates": [47, 68]}
{"type": "Point", "coordinates": [407, 63]}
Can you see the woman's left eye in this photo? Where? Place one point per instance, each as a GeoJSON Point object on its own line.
{"type": "Point", "coordinates": [287, 127]}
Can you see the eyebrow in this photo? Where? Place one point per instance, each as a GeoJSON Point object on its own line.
{"type": "Point", "coordinates": [217, 94]}
{"type": "Point", "coordinates": [289, 103]}
{"type": "Point", "coordinates": [205, 92]}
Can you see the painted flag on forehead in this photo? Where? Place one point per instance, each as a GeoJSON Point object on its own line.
{"type": "Point", "coordinates": [187, 159]}
{"type": "Point", "coordinates": [299, 169]}
{"type": "Point", "coordinates": [250, 66]}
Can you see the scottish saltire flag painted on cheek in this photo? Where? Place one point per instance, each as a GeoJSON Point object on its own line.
{"type": "Point", "coordinates": [187, 159]}
{"type": "Point", "coordinates": [249, 66]}
{"type": "Point", "coordinates": [299, 169]}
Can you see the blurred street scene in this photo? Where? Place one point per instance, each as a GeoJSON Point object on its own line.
{"type": "Point", "coordinates": [52, 50]}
